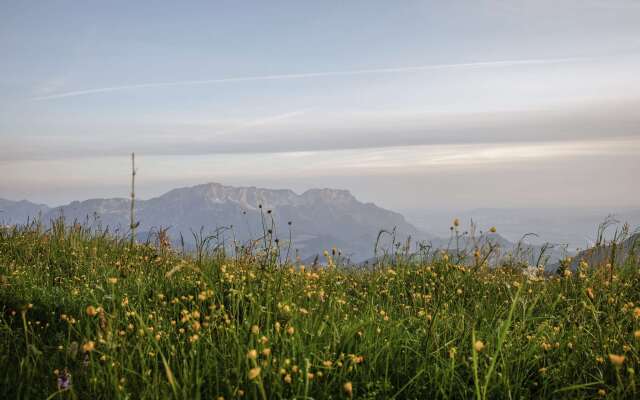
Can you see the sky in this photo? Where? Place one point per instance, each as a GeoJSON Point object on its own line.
{"type": "Point", "coordinates": [408, 104]}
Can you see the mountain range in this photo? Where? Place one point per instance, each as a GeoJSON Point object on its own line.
{"type": "Point", "coordinates": [311, 222]}
{"type": "Point", "coordinates": [317, 219]}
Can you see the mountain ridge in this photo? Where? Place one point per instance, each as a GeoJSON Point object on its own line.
{"type": "Point", "coordinates": [318, 216]}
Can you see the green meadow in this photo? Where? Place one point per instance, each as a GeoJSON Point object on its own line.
{"type": "Point", "coordinates": [87, 315]}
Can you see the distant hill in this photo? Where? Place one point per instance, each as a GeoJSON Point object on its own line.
{"type": "Point", "coordinates": [18, 212]}
{"type": "Point", "coordinates": [320, 218]}
{"type": "Point", "coordinates": [575, 227]}
{"type": "Point", "coordinates": [604, 254]}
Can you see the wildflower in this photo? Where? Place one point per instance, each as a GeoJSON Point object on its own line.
{"type": "Point", "coordinates": [602, 392]}
{"type": "Point", "coordinates": [637, 334]}
{"type": "Point", "coordinates": [456, 222]}
{"type": "Point", "coordinates": [266, 352]}
{"type": "Point", "coordinates": [616, 359]}
{"type": "Point", "coordinates": [64, 380]}
{"type": "Point", "coordinates": [478, 346]}
{"type": "Point", "coordinates": [89, 346]}
{"type": "Point", "coordinates": [636, 312]}
{"type": "Point", "coordinates": [493, 229]}
{"type": "Point", "coordinates": [277, 326]}
{"type": "Point", "coordinates": [590, 293]}
{"type": "Point", "coordinates": [327, 363]}
{"type": "Point", "coordinates": [255, 329]}
{"type": "Point", "coordinates": [91, 311]}
{"type": "Point", "coordinates": [291, 330]}
{"type": "Point", "coordinates": [252, 354]}
{"type": "Point", "coordinates": [348, 389]}
{"type": "Point", "coordinates": [452, 352]}
{"type": "Point", "coordinates": [287, 378]}
{"type": "Point", "coordinates": [357, 359]}
{"type": "Point", "coordinates": [112, 280]}
{"type": "Point", "coordinates": [254, 373]}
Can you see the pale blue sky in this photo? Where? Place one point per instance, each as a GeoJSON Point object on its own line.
{"type": "Point", "coordinates": [406, 103]}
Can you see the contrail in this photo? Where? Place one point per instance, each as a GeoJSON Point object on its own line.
{"type": "Point", "coordinates": [486, 64]}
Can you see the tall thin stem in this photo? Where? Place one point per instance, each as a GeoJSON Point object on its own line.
{"type": "Point", "coordinates": [133, 224]}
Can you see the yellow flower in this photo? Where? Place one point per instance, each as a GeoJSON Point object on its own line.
{"type": "Point", "coordinates": [266, 352]}
{"type": "Point", "coordinates": [636, 312]}
{"type": "Point", "coordinates": [348, 389]}
{"type": "Point", "coordinates": [252, 354]}
{"type": "Point", "coordinates": [91, 311]}
{"type": "Point", "coordinates": [287, 378]}
{"type": "Point", "coordinates": [291, 330]}
{"type": "Point", "coordinates": [254, 373]}
{"type": "Point", "coordinates": [637, 334]}
{"type": "Point", "coordinates": [89, 346]}
{"type": "Point", "coordinates": [493, 229]}
{"type": "Point", "coordinates": [112, 280]}
{"type": "Point", "coordinates": [590, 293]}
{"type": "Point", "coordinates": [478, 346]}
{"type": "Point", "coordinates": [255, 329]}
{"type": "Point", "coordinates": [616, 359]}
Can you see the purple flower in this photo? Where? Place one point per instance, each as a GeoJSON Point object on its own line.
{"type": "Point", "coordinates": [64, 380]}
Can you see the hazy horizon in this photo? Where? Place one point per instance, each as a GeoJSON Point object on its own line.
{"type": "Point", "coordinates": [415, 105]}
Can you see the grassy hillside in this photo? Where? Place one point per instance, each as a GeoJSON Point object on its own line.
{"type": "Point", "coordinates": [86, 316]}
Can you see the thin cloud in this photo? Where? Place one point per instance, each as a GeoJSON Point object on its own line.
{"type": "Point", "coordinates": [309, 75]}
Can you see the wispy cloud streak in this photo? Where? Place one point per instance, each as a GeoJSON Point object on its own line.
{"type": "Point", "coordinates": [309, 75]}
